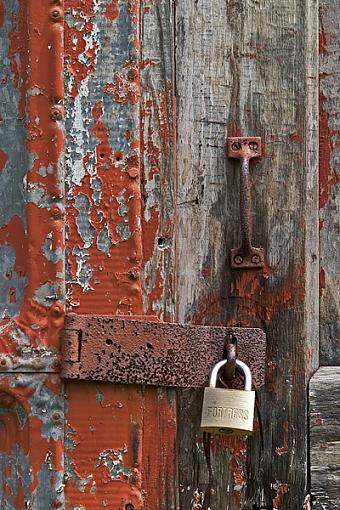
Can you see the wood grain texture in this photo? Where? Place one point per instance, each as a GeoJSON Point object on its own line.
{"type": "Point", "coordinates": [158, 182]}
{"type": "Point", "coordinates": [329, 182]}
{"type": "Point", "coordinates": [324, 395]}
{"type": "Point", "coordinates": [250, 68]}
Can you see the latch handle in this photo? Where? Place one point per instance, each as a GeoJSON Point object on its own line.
{"type": "Point", "coordinates": [246, 256]}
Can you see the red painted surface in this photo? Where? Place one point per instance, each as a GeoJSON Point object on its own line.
{"type": "Point", "coordinates": [121, 440]}
{"type": "Point", "coordinates": [32, 429]}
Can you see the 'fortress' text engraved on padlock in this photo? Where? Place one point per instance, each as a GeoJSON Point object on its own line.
{"type": "Point", "coordinates": [228, 411]}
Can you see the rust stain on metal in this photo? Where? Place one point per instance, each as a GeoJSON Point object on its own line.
{"type": "Point", "coordinates": [245, 149]}
{"type": "Point", "coordinates": [165, 354]}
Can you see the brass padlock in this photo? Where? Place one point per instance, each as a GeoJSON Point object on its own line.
{"type": "Point", "coordinates": [228, 411]}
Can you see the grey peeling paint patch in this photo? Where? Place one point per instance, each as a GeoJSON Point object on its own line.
{"type": "Point", "coordinates": [12, 129]}
{"type": "Point", "coordinates": [21, 414]}
{"type": "Point", "coordinates": [123, 229]}
{"type": "Point", "coordinates": [11, 283]}
{"type": "Point", "coordinates": [113, 460]}
{"type": "Point", "coordinates": [50, 486]}
{"type": "Point", "coordinates": [85, 229]}
{"type": "Point", "coordinates": [104, 241]}
{"type": "Point", "coordinates": [48, 293]}
{"type": "Point", "coordinates": [84, 270]}
{"type": "Point", "coordinates": [47, 406]}
{"type": "Point", "coordinates": [71, 474]}
{"type": "Point", "coordinates": [38, 194]}
{"type": "Point", "coordinates": [43, 170]}
{"type": "Point", "coordinates": [96, 185]}
{"type": "Point", "coordinates": [18, 475]}
{"type": "Point", "coordinates": [34, 91]}
{"type": "Point", "coordinates": [99, 395]}
{"type": "Point", "coordinates": [50, 254]}
{"type": "Point", "coordinates": [18, 336]}
{"type": "Point", "coordinates": [112, 50]}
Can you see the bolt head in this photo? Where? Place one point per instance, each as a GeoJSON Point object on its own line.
{"type": "Point", "coordinates": [56, 114]}
{"type": "Point", "coordinates": [255, 259]}
{"type": "Point", "coordinates": [253, 146]}
{"type": "Point", "coordinates": [238, 259]}
{"type": "Point", "coordinates": [56, 15]}
{"type": "Point", "coordinates": [236, 146]}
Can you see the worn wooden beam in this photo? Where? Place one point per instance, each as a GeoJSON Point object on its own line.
{"type": "Point", "coordinates": [329, 182]}
{"type": "Point", "coordinates": [324, 405]}
{"type": "Point", "coordinates": [250, 68]}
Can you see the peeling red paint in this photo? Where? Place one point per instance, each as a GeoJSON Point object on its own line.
{"type": "Point", "coordinates": [281, 450]}
{"type": "Point", "coordinates": [296, 137]}
{"type": "Point", "coordinates": [112, 10]}
{"type": "Point", "coordinates": [322, 280]}
{"type": "Point", "coordinates": [328, 176]}
{"type": "Point", "coordinates": [3, 159]}
{"type": "Point", "coordinates": [281, 490]}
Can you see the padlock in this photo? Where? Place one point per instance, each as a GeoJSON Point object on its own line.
{"type": "Point", "coordinates": [228, 411]}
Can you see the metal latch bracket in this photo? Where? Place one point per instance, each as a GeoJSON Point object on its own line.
{"type": "Point", "coordinates": [132, 351]}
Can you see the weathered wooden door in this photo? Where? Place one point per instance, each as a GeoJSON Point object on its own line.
{"type": "Point", "coordinates": [117, 197]}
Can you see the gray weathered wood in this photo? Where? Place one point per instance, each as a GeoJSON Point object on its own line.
{"type": "Point", "coordinates": [250, 67]}
{"type": "Point", "coordinates": [329, 182]}
{"type": "Point", "coordinates": [324, 395]}
{"type": "Point", "coordinates": [158, 192]}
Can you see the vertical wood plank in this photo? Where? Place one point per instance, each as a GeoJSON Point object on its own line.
{"type": "Point", "coordinates": [324, 396]}
{"type": "Point", "coordinates": [250, 69]}
{"type": "Point", "coordinates": [158, 184]}
{"type": "Point", "coordinates": [329, 183]}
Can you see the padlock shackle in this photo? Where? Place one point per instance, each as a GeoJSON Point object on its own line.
{"type": "Point", "coordinates": [240, 365]}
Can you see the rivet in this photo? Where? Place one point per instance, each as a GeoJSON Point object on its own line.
{"type": "Point", "coordinates": [253, 146]}
{"type": "Point", "coordinates": [56, 114]}
{"type": "Point", "coordinates": [236, 146]}
{"type": "Point", "coordinates": [255, 259]}
{"type": "Point", "coordinates": [56, 365]}
{"type": "Point", "coordinates": [238, 259]}
{"type": "Point", "coordinates": [3, 362]}
{"type": "Point", "coordinates": [56, 416]}
{"type": "Point", "coordinates": [133, 172]}
{"type": "Point", "coordinates": [57, 310]}
{"type": "Point", "coordinates": [133, 274]}
{"type": "Point", "coordinates": [132, 74]}
{"type": "Point", "coordinates": [56, 15]}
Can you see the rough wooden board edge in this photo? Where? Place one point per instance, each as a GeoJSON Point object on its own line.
{"type": "Point", "coordinates": [324, 413]}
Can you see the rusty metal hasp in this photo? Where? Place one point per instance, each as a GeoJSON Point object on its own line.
{"type": "Point", "coordinates": [130, 351]}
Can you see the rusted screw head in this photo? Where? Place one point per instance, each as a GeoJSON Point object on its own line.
{"type": "Point", "coordinates": [56, 416]}
{"type": "Point", "coordinates": [133, 274]}
{"type": "Point", "coordinates": [236, 146]}
{"type": "Point", "coordinates": [56, 114]}
{"type": "Point", "coordinates": [55, 15]}
{"type": "Point", "coordinates": [238, 259]}
{"type": "Point", "coordinates": [57, 310]}
{"type": "Point", "coordinates": [56, 365]}
{"type": "Point", "coordinates": [255, 259]}
{"type": "Point", "coordinates": [253, 146]}
{"type": "Point", "coordinates": [3, 362]}
{"type": "Point", "coordinates": [132, 74]}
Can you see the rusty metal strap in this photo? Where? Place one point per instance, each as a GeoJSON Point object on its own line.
{"type": "Point", "coordinates": [121, 350]}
